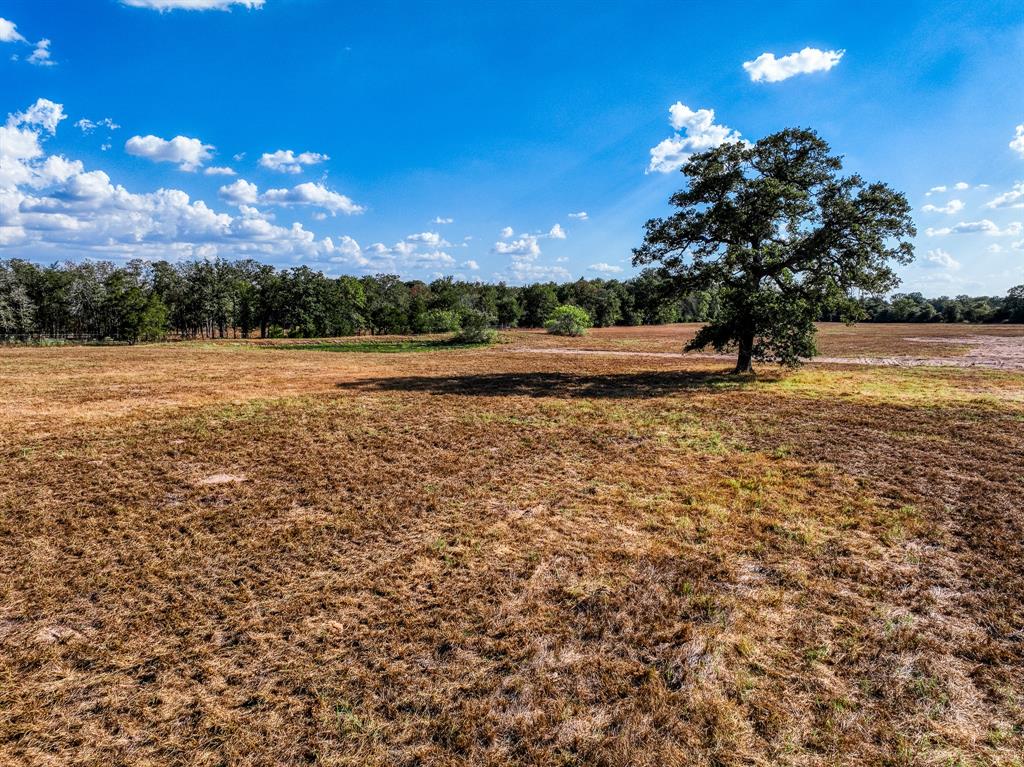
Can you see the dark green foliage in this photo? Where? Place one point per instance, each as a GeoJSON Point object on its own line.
{"type": "Point", "coordinates": [780, 237]}
{"type": "Point", "coordinates": [142, 301]}
{"type": "Point", "coordinates": [475, 327]}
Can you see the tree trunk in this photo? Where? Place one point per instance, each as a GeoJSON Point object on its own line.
{"type": "Point", "coordinates": [744, 359]}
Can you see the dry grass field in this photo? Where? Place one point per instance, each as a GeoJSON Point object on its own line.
{"type": "Point", "coordinates": [228, 554]}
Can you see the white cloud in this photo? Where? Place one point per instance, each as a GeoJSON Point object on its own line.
{"type": "Point", "coordinates": [188, 153]}
{"type": "Point", "coordinates": [192, 5]}
{"type": "Point", "coordinates": [698, 133]}
{"type": "Point", "coordinates": [431, 239]}
{"type": "Point", "coordinates": [9, 32]}
{"type": "Point", "coordinates": [314, 195]}
{"type": "Point", "coordinates": [286, 161]}
{"type": "Point", "coordinates": [995, 247]}
{"type": "Point", "coordinates": [51, 207]}
{"type": "Point", "coordinates": [41, 55]}
{"type": "Point", "coordinates": [984, 226]}
{"type": "Point", "coordinates": [581, 216]}
{"type": "Point", "coordinates": [767, 68]}
{"type": "Point", "coordinates": [951, 207]}
{"type": "Point", "coordinates": [1017, 142]}
{"type": "Point", "coordinates": [471, 265]}
{"type": "Point", "coordinates": [526, 245]}
{"type": "Point", "coordinates": [241, 192]}
{"type": "Point", "coordinates": [961, 185]}
{"type": "Point", "coordinates": [44, 113]}
{"type": "Point", "coordinates": [1012, 199]}
{"type": "Point", "coordinates": [940, 258]}
{"type": "Point", "coordinates": [605, 268]}
{"type": "Point", "coordinates": [440, 220]}
{"type": "Point", "coordinates": [402, 257]}
{"type": "Point", "coordinates": [88, 126]}
{"type": "Point", "coordinates": [507, 232]}
{"type": "Point", "coordinates": [936, 190]}
{"type": "Point", "coordinates": [219, 170]}
{"type": "Point", "coordinates": [557, 232]}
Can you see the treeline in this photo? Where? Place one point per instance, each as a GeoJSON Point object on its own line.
{"type": "Point", "coordinates": [143, 301]}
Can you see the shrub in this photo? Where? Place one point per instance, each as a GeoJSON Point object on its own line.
{"type": "Point", "coordinates": [475, 328]}
{"type": "Point", "coordinates": [568, 320]}
{"type": "Point", "coordinates": [440, 321]}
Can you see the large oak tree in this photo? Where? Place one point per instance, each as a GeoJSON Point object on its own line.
{"type": "Point", "coordinates": [781, 235]}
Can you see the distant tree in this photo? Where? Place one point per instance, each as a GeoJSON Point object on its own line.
{"type": "Point", "coordinates": [17, 313]}
{"type": "Point", "coordinates": [475, 327]}
{"type": "Point", "coordinates": [538, 302]}
{"type": "Point", "coordinates": [440, 321]}
{"type": "Point", "coordinates": [153, 321]}
{"type": "Point", "coordinates": [1014, 304]}
{"type": "Point", "coordinates": [780, 235]}
{"type": "Point", "coordinates": [507, 306]}
{"type": "Point", "coordinates": [568, 320]}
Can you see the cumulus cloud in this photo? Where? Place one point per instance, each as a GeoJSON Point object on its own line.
{"type": "Point", "coordinates": [526, 245]}
{"type": "Point", "coordinates": [41, 55]}
{"type": "Point", "coordinates": [432, 239]}
{"type": "Point", "coordinates": [1012, 199]}
{"type": "Point", "coordinates": [192, 5]}
{"type": "Point", "coordinates": [402, 257]}
{"type": "Point", "coordinates": [605, 268]}
{"type": "Point", "coordinates": [44, 114]}
{"type": "Point", "coordinates": [1017, 142]}
{"type": "Point", "coordinates": [767, 68]}
{"type": "Point", "coordinates": [696, 132]}
{"type": "Point", "coordinates": [440, 220]}
{"type": "Point", "coordinates": [88, 126]}
{"type": "Point", "coordinates": [51, 206]}
{"type": "Point", "coordinates": [581, 216]}
{"type": "Point", "coordinates": [286, 161]}
{"type": "Point", "coordinates": [241, 192]}
{"type": "Point", "coordinates": [557, 232]}
{"type": "Point", "coordinates": [951, 207]}
{"type": "Point", "coordinates": [985, 226]}
{"type": "Point", "coordinates": [507, 232]}
{"type": "Point", "coordinates": [188, 153]}
{"type": "Point", "coordinates": [471, 265]}
{"type": "Point", "coordinates": [315, 195]}
{"type": "Point", "coordinates": [9, 32]}
{"type": "Point", "coordinates": [941, 259]}
{"type": "Point", "coordinates": [523, 253]}
{"type": "Point", "coordinates": [219, 170]}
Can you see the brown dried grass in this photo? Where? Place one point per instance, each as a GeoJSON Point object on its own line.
{"type": "Point", "coordinates": [473, 557]}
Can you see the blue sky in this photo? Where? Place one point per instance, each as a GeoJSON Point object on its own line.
{"type": "Point", "coordinates": [353, 132]}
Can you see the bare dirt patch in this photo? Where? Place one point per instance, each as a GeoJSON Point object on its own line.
{"type": "Point", "coordinates": [993, 352]}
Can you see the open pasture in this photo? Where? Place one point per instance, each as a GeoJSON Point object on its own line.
{"type": "Point", "coordinates": [224, 554]}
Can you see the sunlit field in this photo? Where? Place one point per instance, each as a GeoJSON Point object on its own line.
{"type": "Point", "coordinates": [552, 551]}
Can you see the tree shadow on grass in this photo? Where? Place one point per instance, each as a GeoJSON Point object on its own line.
{"type": "Point", "coordinates": [555, 384]}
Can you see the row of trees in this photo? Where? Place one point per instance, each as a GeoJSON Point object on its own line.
{"type": "Point", "coordinates": [208, 299]}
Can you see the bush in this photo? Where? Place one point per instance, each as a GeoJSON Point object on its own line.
{"type": "Point", "coordinates": [475, 328]}
{"type": "Point", "coordinates": [439, 321]}
{"type": "Point", "coordinates": [568, 320]}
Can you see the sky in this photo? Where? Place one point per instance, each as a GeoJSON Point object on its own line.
{"type": "Point", "coordinates": [492, 141]}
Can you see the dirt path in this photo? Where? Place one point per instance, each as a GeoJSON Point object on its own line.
{"type": "Point", "coordinates": [994, 352]}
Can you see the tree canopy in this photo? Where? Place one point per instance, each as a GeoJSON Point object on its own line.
{"type": "Point", "coordinates": [780, 237]}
